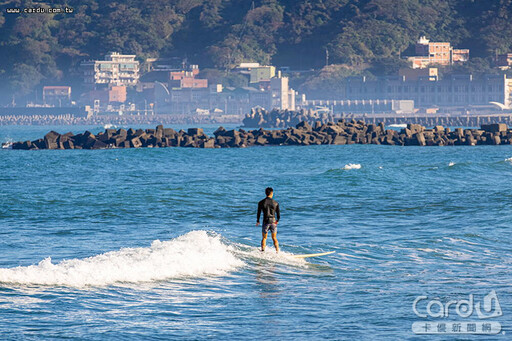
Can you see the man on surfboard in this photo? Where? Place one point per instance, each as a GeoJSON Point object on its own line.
{"type": "Point", "coordinates": [271, 216]}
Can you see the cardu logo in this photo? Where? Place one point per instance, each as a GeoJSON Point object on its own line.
{"type": "Point", "coordinates": [488, 306]}
{"type": "Point", "coordinates": [456, 309]}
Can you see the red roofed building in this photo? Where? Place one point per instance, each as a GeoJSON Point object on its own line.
{"type": "Point", "coordinates": [57, 95]}
{"type": "Point", "coordinates": [187, 79]}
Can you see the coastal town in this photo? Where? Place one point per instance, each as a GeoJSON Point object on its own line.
{"type": "Point", "coordinates": [122, 88]}
{"type": "Point", "coordinates": [272, 169]}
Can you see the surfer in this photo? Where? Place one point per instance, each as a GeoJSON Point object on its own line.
{"type": "Point", "coordinates": [271, 216]}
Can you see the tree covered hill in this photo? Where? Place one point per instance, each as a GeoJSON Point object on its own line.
{"type": "Point", "coordinates": [361, 34]}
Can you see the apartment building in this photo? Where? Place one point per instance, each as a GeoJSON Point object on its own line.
{"type": "Point", "coordinates": [436, 53]}
{"type": "Point", "coordinates": [115, 69]}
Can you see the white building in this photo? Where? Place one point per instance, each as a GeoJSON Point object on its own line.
{"type": "Point", "coordinates": [427, 91]}
{"type": "Point", "coordinates": [281, 95]}
{"type": "Point", "coordinates": [116, 69]}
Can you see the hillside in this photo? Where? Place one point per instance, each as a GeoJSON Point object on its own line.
{"type": "Point", "coordinates": [360, 34]}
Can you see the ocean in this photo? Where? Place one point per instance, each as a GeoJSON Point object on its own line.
{"type": "Point", "coordinates": [161, 244]}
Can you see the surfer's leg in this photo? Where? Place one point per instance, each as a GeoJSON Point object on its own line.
{"type": "Point", "coordinates": [263, 240]}
{"type": "Point", "coordinates": [274, 239]}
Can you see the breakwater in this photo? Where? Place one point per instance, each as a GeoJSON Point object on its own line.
{"type": "Point", "coordinates": [433, 120]}
{"type": "Point", "coordinates": [117, 119]}
{"type": "Point", "coordinates": [261, 118]}
{"type": "Point", "coordinates": [339, 133]}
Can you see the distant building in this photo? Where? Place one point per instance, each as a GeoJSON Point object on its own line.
{"type": "Point", "coordinates": [262, 73]}
{"type": "Point", "coordinates": [460, 55]}
{"type": "Point", "coordinates": [114, 94]}
{"type": "Point", "coordinates": [437, 53]}
{"type": "Point", "coordinates": [213, 99]}
{"type": "Point", "coordinates": [187, 79]}
{"type": "Point", "coordinates": [229, 100]}
{"type": "Point", "coordinates": [117, 94]}
{"type": "Point", "coordinates": [182, 77]}
{"type": "Point", "coordinates": [257, 73]}
{"type": "Point", "coordinates": [431, 53]}
{"type": "Point", "coordinates": [504, 61]}
{"type": "Point", "coordinates": [373, 106]}
{"type": "Point", "coordinates": [414, 74]}
{"type": "Point", "coordinates": [179, 91]}
{"type": "Point", "coordinates": [57, 95]}
{"type": "Point", "coordinates": [282, 97]}
{"type": "Point", "coordinates": [248, 66]}
{"type": "Point", "coordinates": [452, 91]}
{"type": "Point", "coordinates": [116, 69]}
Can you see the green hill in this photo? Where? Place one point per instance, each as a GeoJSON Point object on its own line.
{"type": "Point", "coordinates": [366, 35]}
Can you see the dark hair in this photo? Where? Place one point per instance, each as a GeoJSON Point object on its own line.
{"type": "Point", "coordinates": [269, 190]}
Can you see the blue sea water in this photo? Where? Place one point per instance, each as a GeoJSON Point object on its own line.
{"type": "Point", "coordinates": [161, 244]}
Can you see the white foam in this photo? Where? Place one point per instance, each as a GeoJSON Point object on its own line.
{"type": "Point", "coordinates": [451, 164]}
{"type": "Point", "coordinates": [508, 159]}
{"type": "Point", "coordinates": [109, 126]}
{"type": "Point", "coordinates": [398, 125]}
{"type": "Point", "coordinates": [457, 240]}
{"type": "Point", "coordinates": [352, 166]}
{"type": "Point", "coordinates": [7, 144]}
{"type": "Point", "coordinates": [270, 255]}
{"type": "Point", "coordinates": [195, 254]}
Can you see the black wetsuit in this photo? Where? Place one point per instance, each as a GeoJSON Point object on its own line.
{"type": "Point", "coordinates": [270, 209]}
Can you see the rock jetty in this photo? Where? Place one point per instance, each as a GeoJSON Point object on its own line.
{"type": "Point", "coordinates": [261, 118]}
{"type": "Point", "coordinates": [339, 133]}
{"type": "Point", "coordinates": [430, 120]}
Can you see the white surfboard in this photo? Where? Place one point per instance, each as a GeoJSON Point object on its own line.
{"type": "Point", "coordinates": [313, 254]}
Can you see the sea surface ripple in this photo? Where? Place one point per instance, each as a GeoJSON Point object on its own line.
{"type": "Point", "coordinates": [162, 244]}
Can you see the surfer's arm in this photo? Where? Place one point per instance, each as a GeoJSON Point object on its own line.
{"type": "Point", "coordinates": [259, 214]}
{"type": "Point", "coordinates": [278, 214]}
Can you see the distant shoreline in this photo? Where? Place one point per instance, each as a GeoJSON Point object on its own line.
{"type": "Point", "coordinates": [269, 121]}
{"type": "Point", "coordinates": [65, 120]}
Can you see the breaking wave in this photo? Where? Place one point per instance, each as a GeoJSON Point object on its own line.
{"type": "Point", "coordinates": [109, 126]}
{"type": "Point", "coordinates": [194, 254]}
{"type": "Point", "coordinates": [352, 166]}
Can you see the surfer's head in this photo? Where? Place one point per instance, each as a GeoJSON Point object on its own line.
{"type": "Point", "coordinates": [269, 191]}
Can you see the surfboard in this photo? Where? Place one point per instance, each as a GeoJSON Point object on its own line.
{"type": "Point", "coordinates": [313, 254]}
